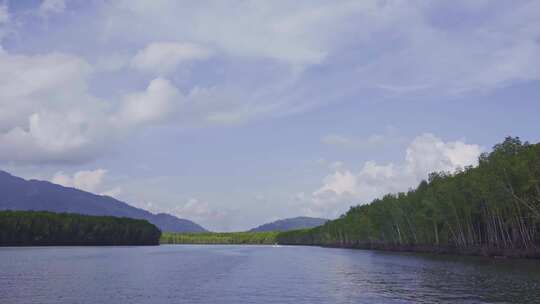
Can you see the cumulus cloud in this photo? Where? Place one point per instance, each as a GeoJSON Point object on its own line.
{"type": "Point", "coordinates": [158, 102]}
{"type": "Point", "coordinates": [339, 182]}
{"type": "Point", "coordinates": [163, 57]}
{"type": "Point", "coordinates": [425, 154]}
{"type": "Point", "coordinates": [50, 137]}
{"type": "Point", "coordinates": [428, 153]}
{"type": "Point", "coordinates": [48, 115]}
{"type": "Point", "coordinates": [87, 180]}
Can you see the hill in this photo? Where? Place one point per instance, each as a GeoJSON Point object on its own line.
{"type": "Point", "coordinates": [301, 222]}
{"type": "Point", "coordinates": [20, 194]}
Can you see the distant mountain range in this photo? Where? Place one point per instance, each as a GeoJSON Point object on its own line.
{"type": "Point", "coordinates": [20, 194]}
{"type": "Point", "coordinates": [300, 222]}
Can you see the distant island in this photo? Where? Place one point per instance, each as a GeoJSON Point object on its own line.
{"type": "Point", "coordinates": [30, 228]}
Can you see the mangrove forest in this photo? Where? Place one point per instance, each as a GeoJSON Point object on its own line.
{"type": "Point", "coordinates": [225, 238]}
{"type": "Point", "coordinates": [37, 228]}
{"type": "Point", "coordinates": [490, 209]}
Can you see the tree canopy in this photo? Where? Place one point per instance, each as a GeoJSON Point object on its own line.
{"type": "Point", "coordinates": [25, 228]}
{"type": "Point", "coordinates": [494, 206]}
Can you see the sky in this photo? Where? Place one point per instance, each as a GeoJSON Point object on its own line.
{"type": "Point", "coordinates": [236, 113]}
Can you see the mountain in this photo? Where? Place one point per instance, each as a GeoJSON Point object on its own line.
{"type": "Point", "coordinates": [300, 222]}
{"type": "Point", "coordinates": [20, 194]}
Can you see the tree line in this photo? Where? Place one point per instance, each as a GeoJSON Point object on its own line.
{"type": "Point", "coordinates": [493, 208]}
{"type": "Point", "coordinates": [31, 228]}
{"type": "Point", "coordinates": [255, 238]}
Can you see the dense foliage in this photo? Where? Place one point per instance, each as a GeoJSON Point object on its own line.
{"type": "Point", "coordinates": [220, 238]}
{"type": "Point", "coordinates": [24, 228]}
{"type": "Point", "coordinates": [494, 206]}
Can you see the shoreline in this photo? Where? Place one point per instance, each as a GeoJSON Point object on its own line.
{"type": "Point", "coordinates": [494, 253]}
{"type": "Point", "coordinates": [75, 245]}
{"type": "Point", "coordinates": [482, 251]}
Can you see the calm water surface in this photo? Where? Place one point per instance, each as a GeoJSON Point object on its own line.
{"type": "Point", "coordinates": [257, 274]}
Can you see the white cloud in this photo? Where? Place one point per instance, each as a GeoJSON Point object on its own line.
{"type": "Point", "coordinates": [340, 182]}
{"type": "Point", "coordinates": [87, 180]}
{"type": "Point", "coordinates": [428, 153]}
{"type": "Point", "coordinates": [163, 57]}
{"type": "Point", "coordinates": [157, 103]}
{"type": "Point", "coordinates": [271, 59]}
{"type": "Point", "coordinates": [389, 137]}
{"type": "Point", "coordinates": [52, 6]}
{"type": "Point", "coordinates": [41, 76]}
{"type": "Point", "coordinates": [200, 212]}
{"type": "Point", "coordinates": [287, 32]}
{"type": "Point", "coordinates": [447, 53]}
{"type": "Point", "coordinates": [113, 192]}
{"type": "Point", "coordinates": [399, 47]}
{"type": "Point", "coordinates": [84, 180]}
{"type": "Point", "coordinates": [335, 139]}
{"type": "Point", "coordinates": [425, 154]}
{"type": "Point", "coordinates": [50, 137]}
{"type": "Point", "coordinates": [48, 115]}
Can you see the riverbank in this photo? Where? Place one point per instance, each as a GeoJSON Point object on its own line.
{"type": "Point", "coordinates": [271, 238]}
{"type": "Point", "coordinates": [529, 253]}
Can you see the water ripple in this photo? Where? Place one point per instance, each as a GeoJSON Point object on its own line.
{"type": "Point", "coordinates": [258, 274]}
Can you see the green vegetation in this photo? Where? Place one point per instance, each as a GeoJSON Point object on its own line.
{"type": "Point", "coordinates": [258, 238]}
{"type": "Point", "coordinates": [490, 209]}
{"type": "Point", "coordinates": [26, 228]}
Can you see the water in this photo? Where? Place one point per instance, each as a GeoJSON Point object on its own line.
{"type": "Point", "coordinates": [258, 274]}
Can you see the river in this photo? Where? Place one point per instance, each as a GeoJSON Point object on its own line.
{"type": "Point", "coordinates": [258, 274]}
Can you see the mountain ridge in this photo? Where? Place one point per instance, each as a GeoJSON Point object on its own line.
{"type": "Point", "coordinates": [293, 223]}
{"type": "Point", "coordinates": [17, 193]}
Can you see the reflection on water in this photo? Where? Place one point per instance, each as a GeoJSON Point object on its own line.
{"type": "Point", "coordinates": [258, 274]}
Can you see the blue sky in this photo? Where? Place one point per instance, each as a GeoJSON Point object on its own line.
{"type": "Point", "coordinates": [237, 113]}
